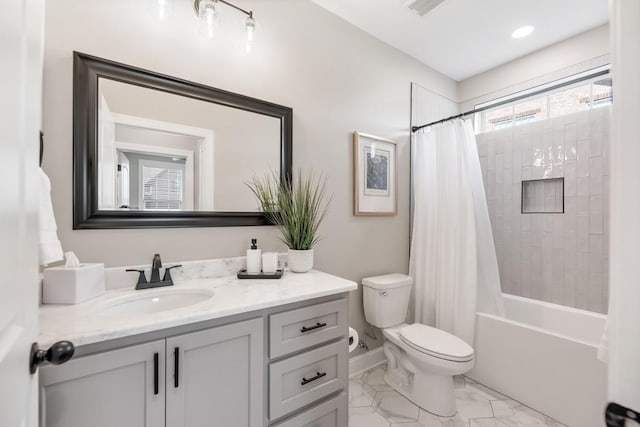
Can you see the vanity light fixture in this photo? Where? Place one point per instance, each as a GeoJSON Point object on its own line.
{"type": "Point", "coordinates": [208, 14]}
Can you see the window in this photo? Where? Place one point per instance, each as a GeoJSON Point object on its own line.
{"type": "Point", "coordinates": [567, 100]}
{"type": "Point", "coordinates": [162, 185]}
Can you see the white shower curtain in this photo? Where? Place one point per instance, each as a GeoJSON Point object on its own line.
{"type": "Point", "coordinates": [453, 257]}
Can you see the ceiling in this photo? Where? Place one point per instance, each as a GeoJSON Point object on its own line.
{"type": "Point", "coordinates": [462, 38]}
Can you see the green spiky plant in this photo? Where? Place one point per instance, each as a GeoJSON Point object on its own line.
{"type": "Point", "coordinates": [297, 207]}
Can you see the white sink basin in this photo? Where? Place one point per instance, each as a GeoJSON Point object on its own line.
{"type": "Point", "coordinates": [155, 301]}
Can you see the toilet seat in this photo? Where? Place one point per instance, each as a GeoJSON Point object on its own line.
{"type": "Point", "coordinates": [436, 343]}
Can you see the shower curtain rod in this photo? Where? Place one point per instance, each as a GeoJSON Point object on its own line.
{"type": "Point", "coordinates": [515, 99]}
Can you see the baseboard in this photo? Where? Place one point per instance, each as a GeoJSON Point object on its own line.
{"type": "Point", "coordinates": [366, 361]}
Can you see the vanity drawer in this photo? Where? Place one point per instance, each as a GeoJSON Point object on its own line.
{"type": "Point", "coordinates": [332, 413]}
{"type": "Point", "coordinates": [305, 378]}
{"type": "Point", "coordinates": [297, 329]}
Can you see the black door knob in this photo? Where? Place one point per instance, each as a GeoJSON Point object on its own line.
{"type": "Point", "coordinates": [58, 353]}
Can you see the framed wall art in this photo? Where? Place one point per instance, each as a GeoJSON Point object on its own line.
{"type": "Point", "coordinates": [375, 188]}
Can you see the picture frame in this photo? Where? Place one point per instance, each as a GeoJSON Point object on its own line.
{"type": "Point", "coordinates": [375, 175]}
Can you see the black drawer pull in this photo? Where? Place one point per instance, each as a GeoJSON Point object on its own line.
{"type": "Point", "coordinates": [317, 377]}
{"type": "Point", "coordinates": [311, 328]}
{"type": "Point", "coordinates": [156, 373]}
{"type": "Point", "coordinates": [176, 367]}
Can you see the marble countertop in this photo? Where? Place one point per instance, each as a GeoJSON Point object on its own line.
{"type": "Point", "coordinates": [86, 323]}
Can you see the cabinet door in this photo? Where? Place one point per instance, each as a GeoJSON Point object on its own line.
{"type": "Point", "coordinates": [123, 388]}
{"type": "Point", "coordinates": [215, 377]}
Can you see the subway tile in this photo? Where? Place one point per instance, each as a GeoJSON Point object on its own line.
{"type": "Point", "coordinates": [596, 185]}
{"type": "Point", "coordinates": [557, 170]}
{"type": "Point", "coordinates": [570, 242]}
{"type": "Point", "coordinates": [507, 180]}
{"type": "Point", "coordinates": [558, 258]}
{"type": "Point", "coordinates": [583, 159]}
{"type": "Point", "coordinates": [596, 166]}
{"type": "Point", "coordinates": [596, 224]}
{"type": "Point", "coordinates": [582, 234]}
{"type": "Point", "coordinates": [570, 221]}
{"type": "Point", "coordinates": [516, 164]}
{"type": "Point", "coordinates": [516, 175]}
{"type": "Point", "coordinates": [596, 145]}
{"type": "Point", "coordinates": [570, 169]}
{"type": "Point", "coordinates": [582, 206]}
{"type": "Point", "coordinates": [595, 292]}
{"type": "Point", "coordinates": [570, 202]}
{"type": "Point", "coordinates": [558, 240]}
{"type": "Point", "coordinates": [583, 186]}
{"type": "Point", "coordinates": [595, 205]}
{"type": "Point", "coordinates": [570, 140]}
{"type": "Point", "coordinates": [569, 288]}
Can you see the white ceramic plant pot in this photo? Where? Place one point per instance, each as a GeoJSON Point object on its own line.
{"type": "Point", "coordinates": [300, 261]}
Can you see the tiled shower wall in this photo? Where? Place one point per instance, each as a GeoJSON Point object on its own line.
{"type": "Point", "coordinates": [560, 258]}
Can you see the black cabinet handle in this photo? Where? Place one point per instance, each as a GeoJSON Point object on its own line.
{"type": "Point", "coordinates": [311, 328]}
{"type": "Point", "coordinates": [312, 379]}
{"type": "Point", "coordinates": [176, 367]}
{"type": "Point", "coordinates": [156, 373]}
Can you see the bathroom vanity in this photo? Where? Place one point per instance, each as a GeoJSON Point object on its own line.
{"type": "Point", "coordinates": [226, 352]}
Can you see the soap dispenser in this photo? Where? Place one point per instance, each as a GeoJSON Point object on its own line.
{"type": "Point", "coordinates": [254, 258]}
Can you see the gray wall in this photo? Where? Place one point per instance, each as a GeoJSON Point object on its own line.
{"type": "Point", "coordinates": [336, 78]}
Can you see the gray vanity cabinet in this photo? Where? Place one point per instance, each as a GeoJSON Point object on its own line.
{"type": "Point", "coordinates": [215, 377]}
{"type": "Point", "coordinates": [285, 366]}
{"type": "Point", "coordinates": [219, 382]}
{"type": "Point", "coordinates": [115, 388]}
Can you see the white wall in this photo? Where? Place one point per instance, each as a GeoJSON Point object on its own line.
{"type": "Point", "coordinates": [336, 78]}
{"type": "Point", "coordinates": [576, 54]}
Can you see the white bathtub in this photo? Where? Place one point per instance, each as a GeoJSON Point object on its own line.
{"type": "Point", "coordinates": [544, 355]}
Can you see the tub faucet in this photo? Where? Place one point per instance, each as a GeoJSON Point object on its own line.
{"type": "Point", "coordinates": [155, 281]}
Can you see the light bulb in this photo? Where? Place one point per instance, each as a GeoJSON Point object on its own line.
{"type": "Point", "coordinates": [208, 15]}
{"type": "Point", "coordinates": [250, 28]}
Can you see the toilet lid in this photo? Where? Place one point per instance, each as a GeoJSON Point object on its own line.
{"type": "Point", "coordinates": [436, 342]}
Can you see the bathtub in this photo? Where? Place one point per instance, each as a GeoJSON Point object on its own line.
{"type": "Point", "coordinates": [544, 355]}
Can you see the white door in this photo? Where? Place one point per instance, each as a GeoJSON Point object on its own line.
{"type": "Point", "coordinates": [21, 32]}
{"type": "Point", "coordinates": [215, 377]}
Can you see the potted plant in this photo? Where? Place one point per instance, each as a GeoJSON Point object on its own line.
{"type": "Point", "coordinates": [297, 207]}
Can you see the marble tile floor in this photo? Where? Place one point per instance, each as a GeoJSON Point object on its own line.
{"type": "Point", "coordinates": [372, 403]}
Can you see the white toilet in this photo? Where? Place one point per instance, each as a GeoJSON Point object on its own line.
{"type": "Point", "coordinates": [421, 360]}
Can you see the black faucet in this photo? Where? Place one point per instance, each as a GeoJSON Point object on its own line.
{"type": "Point", "coordinates": [155, 281]}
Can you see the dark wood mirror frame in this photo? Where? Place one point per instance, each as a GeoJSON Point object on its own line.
{"type": "Point", "coordinates": [86, 71]}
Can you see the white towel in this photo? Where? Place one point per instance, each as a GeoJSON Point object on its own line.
{"type": "Point", "coordinates": [50, 247]}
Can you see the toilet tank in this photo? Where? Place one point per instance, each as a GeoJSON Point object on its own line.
{"type": "Point", "coordinates": [386, 299]}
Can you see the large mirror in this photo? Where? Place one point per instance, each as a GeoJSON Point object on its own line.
{"type": "Point", "coordinates": [155, 151]}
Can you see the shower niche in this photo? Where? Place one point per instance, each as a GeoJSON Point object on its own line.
{"type": "Point", "coordinates": [543, 196]}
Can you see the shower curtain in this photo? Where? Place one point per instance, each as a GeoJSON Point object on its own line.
{"type": "Point", "coordinates": [453, 257]}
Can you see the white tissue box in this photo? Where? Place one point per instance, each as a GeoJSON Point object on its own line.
{"type": "Point", "coordinates": [63, 285]}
